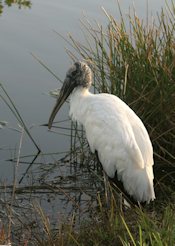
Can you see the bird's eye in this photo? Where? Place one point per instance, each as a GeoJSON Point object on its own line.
{"type": "Point", "coordinates": [74, 72]}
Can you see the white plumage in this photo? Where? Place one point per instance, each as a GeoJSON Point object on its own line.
{"type": "Point", "coordinates": [113, 130]}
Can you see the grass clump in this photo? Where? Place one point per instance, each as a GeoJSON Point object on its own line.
{"type": "Point", "coordinates": [114, 226]}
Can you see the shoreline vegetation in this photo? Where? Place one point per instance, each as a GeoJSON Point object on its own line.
{"type": "Point", "coordinates": [135, 60]}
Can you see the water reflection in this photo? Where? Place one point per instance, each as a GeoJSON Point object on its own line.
{"type": "Point", "coordinates": [19, 3]}
{"type": "Point", "coordinates": [64, 188]}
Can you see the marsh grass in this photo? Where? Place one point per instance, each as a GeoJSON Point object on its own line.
{"type": "Point", "coordinates": [111, 226]}
{"type": "Point", "coordinates": [5, 97]}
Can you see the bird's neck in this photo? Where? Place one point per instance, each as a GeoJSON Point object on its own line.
{"type": "Point", "coordinates": [77, 103]}
{"type": "Point", "coordinates": [80, 92]}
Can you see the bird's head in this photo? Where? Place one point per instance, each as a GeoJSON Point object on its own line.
{"type": "Point", "coordinates": [78, 75]}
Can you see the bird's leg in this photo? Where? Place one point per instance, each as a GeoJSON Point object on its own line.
{"type": "Point", "coordinates": [107, 189]}
{"type": "Point", "coordinates": [106, 183]}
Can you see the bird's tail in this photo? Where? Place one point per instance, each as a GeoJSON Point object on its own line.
{"type": "Point", "coordinates": [139, 184]}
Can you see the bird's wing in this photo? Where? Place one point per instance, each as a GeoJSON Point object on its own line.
{"type": "Point", "coordinates": [110, 132]}
{"type": "Point", "coordinates": [140, 133]}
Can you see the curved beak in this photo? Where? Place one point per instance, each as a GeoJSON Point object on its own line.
{"type": "Point", "coordinates": [65, 91]}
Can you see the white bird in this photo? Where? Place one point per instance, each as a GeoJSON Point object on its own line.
{"type": "Point", "coordinates": [113, 130]}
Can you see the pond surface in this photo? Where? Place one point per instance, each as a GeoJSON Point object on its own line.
{"type": "Point", "coordinates": [30, 29]}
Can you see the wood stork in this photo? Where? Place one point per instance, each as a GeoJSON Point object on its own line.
{"type": "Point", "coordinates": [113, 130]}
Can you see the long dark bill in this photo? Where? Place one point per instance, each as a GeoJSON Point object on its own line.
{"type": "Point", "coordinates": [65, 91]}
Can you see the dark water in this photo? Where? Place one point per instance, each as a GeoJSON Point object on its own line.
{"type": "Point", "coordinates": [30, 29]}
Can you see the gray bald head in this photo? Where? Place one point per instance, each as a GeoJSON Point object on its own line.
{"type": "Point", "coordinates": [79, 75]}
